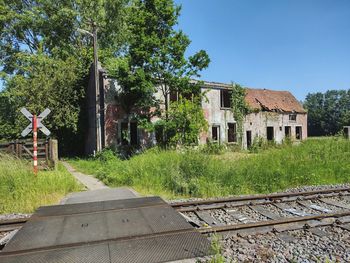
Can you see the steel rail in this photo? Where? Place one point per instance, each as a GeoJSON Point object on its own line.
{"type": "Point", "coordinates": [12, 224]}
{"type": "Point", "coordinates": [270, 197]}
{"type": "Point", "coordinates": [207, 230]}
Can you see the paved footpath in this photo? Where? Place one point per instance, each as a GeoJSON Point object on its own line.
{"type": "Point", "coordinates": [90, 182]}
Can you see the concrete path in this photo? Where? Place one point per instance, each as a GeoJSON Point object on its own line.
{"type": "Point", "coordinates": [90, 182]}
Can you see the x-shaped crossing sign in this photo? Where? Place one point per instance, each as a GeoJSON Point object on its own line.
{"type": "Point", "coordinates": [39, 119]}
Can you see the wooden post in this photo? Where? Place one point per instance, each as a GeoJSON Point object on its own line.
{"type": "Point", "coordinates": [53, 148]}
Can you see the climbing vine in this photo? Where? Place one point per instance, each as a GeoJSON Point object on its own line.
{"type": "Point", "coordinates": [240, 108]}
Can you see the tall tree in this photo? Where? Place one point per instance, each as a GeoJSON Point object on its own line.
{"type": "Point", "coordinates": [155, 59]}
{"type": "Point", "coordinates": [328, 112]}
{"type": "Point", "coordinates": [45, 60]}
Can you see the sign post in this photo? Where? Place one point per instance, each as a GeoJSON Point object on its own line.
{"type": "Point", "coordinates": [33, 126]}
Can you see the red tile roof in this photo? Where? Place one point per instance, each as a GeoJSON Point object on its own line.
{"type": "Point", "coordinates": [272, 100]}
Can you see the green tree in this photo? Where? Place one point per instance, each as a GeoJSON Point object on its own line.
{"type": "Point", "coordinates": [155, 59]}
{"type": "Point", "coordinates": [328, 112]}
{"type": "Point", "coordinates": [45, 60]}
{"type": "Point", "coordinates": [185, 123]}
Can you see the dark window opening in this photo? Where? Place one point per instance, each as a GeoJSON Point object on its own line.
{"type": "Point", "coordinates": [133, 133]}
{"type": "Point", "coordinates": [124, 133]}
{"type": "Point", "coordinates": [298, 133]}
{"type": "Point", "coordinates": [249, 139]}
{"type": "Point", "coordinates": [232, 132]}
{"type": "Point", "coordinates": [287, 131]}
{"type": "Point", "coordinates": [346, 132]}
{"type": "Point", "coordinates": [270, 133]}
{"type": "Point", "coordinates": [173, 95]}
{"type": "Point", "coordinates": [225, 98]}
{"type": "Point", "coordinates": [215, 133]}
{"type": "Point", "coordinates": [293, 117]}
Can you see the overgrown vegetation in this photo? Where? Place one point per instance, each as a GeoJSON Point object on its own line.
{"type": "Point", "coordinates": [240, 108]}
{"type": "Point", "coordinates": [197, 174]}
{"type": "Point", "coordinates": [184, 124]}
{"type": "Point", "coordinates": [22, 192]}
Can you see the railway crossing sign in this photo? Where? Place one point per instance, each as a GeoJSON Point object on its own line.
{"type": "Point", "coordinates": [39, 119]}
{"type": "Point", "coordinates": [35, 123]}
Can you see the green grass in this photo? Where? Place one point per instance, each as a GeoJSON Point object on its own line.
{"type": "Point", "coordinates": [194, 173]}
{"type": "Point", "coordinates": [22, 192]}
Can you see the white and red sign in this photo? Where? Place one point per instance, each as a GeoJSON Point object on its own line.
{"type": "Point", "coordinates": [36, 122]}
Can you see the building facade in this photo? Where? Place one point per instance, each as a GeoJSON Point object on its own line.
{"type": "Point", "coordinates": [275, 116]}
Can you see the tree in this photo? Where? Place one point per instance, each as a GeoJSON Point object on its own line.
{"type": "Point", "coordinates": [155, 59]}
{"type": "Point", "coordinates": [184, 124]}
{"type": "Point", "coordinates": [45, 60]}
{"type": "Point", "coordinates": [328, 112]}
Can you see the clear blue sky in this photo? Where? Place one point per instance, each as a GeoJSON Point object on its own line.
{"type": "Point", "coordinates": [297, 45]}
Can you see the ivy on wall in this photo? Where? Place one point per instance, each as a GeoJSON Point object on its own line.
{"type": "Point", "coordinates": [240, 108]}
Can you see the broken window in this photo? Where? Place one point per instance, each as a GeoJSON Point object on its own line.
{"type": "Point", "coordinates": [269, 134]}
{"type": "Point", "coordinates": [133, 133]}
{"type": "Point", "coordinates": [173, 95]}
{"type": "Point", "coordinates": [124, 133]}
{"type": "Point", "coordinates": [215, 133]}
{"type": "Point", "coordinates": [292, 117]}
{"type": "Point", "coordinates": [231, 132]}
{"type": "Point", "coordinates": [225, 98]}
{"type": "Point", "coordinates": [128, 137]}
{"type": "Point", "coordinates": [287, 131]}
{"type": "Point", "coordinates": [298, 133]}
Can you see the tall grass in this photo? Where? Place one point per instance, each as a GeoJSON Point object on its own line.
{"type": "Point", "coordinates": [196, 174]}
{"type": "Point", "coordinates": [21, 191]}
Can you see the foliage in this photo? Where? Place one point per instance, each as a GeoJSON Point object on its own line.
{"type": "Point", "coordinates": [240, 108]}
{"type": "Point", "coordinates": [328, 112]}
{"type": "Point", "coordinates": [185, 123]}
{"type": "Point", "coordinates": [216, 250]}
{"type": "Point", "coordinates": [194, 173]}
{"type": "Point", "coordinates": [213, 148]}
{"type": "Point", "coordinates": [154, 60]}
{"type": "Point", "coordinates": [45, 60]}
{"type": "Point", "coordinates": [22, 192]}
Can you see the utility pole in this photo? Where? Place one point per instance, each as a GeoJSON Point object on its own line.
{"type": "Point", "coordinates": [97, 82]}
{"type": "Point", "coordinates": [97, 86]}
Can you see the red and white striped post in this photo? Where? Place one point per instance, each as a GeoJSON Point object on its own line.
{"type": "Point", "coordinates": [35, 144]}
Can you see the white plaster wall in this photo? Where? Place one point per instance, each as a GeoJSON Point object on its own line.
{"type": "Point", "coordinates": [258, 122]}
{"type": "Point", "coordinates": [214, 114]}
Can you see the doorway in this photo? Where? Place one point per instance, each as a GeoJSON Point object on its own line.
{"type": "Point", "coordinates": [249, 139]}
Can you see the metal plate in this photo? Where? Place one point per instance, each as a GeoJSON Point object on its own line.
{"type": "Point", "coordinates": [74, 229]}
{"type": "Point", "coordinates": [93, 207]}
{"type": "Point", "coordinates": [132, 230]}
{"type": "Point", "coordinates": [155, 249]}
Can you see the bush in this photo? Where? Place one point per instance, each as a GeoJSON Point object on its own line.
{"type": "Point", "coordinates": [213, 148]}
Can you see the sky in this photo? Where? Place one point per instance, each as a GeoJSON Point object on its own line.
{"type": "Point", "coordinates": [298, 45]}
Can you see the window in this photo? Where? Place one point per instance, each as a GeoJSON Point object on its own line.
{"type": "Point", "coordinates": [215, 133]}
{"type": "Point", "coordinates": [269, 133]}
{"type": "Point", "coordinates": [133, 133]}
{"type": "Point", "coordinates": [287, 131]}
{"type": "Point", "coordinates": [124, 133]}
{"type": "Point", "coordinates": [128, 137]}
{"type": "Point", "coordinates": [292, 117]}
{"type": "Point", "coordinates": [298, 133]}
{"type": "Point", "coordinates": [173, 95]}
{"type": "Point", "coordinates": [231, 132]}
{"type": "Point", "coordinates": [225, 98]}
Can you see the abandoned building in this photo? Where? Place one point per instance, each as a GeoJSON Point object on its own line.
{"type": "Point", "coordinates": [275, 116]}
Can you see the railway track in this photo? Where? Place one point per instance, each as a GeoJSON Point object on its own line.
{"type": "Point", "coordinates": [252, 214]}
{"type": "Point", "coordinates": [249, 215]}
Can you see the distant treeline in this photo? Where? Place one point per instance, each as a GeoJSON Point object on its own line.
{"type": "Point", "coordinates": [327, 112]}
